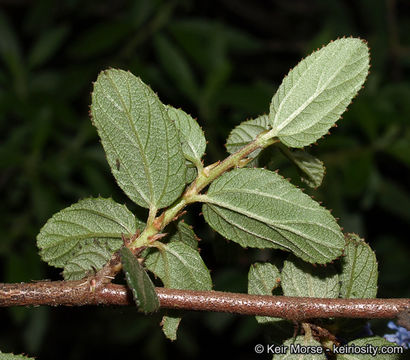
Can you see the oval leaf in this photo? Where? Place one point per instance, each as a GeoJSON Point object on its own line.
{"type": "Point", "coordinates": [300, 348]}
{"type": "Point", "coordinates": [190, 133]}
{"type": "Point", "coordinates": [317, 91]}
{"type": "Point", "coordinates": [140, 140]}
{"type": "Point", "coordinates": [311, 169]}
{"type": "Point", "coordinates": [359, 269]}
{"type": "Point", "coordinates": [179, 266]}
{"type": "Point", "coordinates": [258, 208]}
{"type": "Point", "coordinates": [81, 235]}
{"type": "Point", "coordinates": [304, 280]}
{"type": "Point", "coordinates": [139, 282]}
{"type": "Point", "coordinates": [262, 279]}
{"type": "Point", "coordinates": [8, 356]}
{"type": "Point", "coordinates": [246, 132]}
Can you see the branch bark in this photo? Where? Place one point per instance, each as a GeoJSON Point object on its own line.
{"type": "Point", "coordinates": [79, 293]}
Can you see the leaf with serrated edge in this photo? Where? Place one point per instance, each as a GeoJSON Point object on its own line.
{"type": "Point", "coordinates": [305, 280]}
{"type": "Point", "coordinates": [359, 269]}
{"type": "Point", "coordinates": [179, 266]}
{"type": "Point", "coordinates": [140, 140]}
{"type": "Point", "coordinates": [93, 225]}
{"type": "Point", "coordinates": [246, 132]}
{"type": "Point", "coordinates": [376, 343]}
{"type": "Point", "coordinates": [139, 282]}
{"type": "Point", "coordinates": [190, 133]}
{"type": "Point", "coordinates": [294, 348]}
{"type": "Point", "coordinates": [258, 208]}
{"type": "Point", "coordinates": [170, 326]}
{"type": "Point", "coordinates": [8, 356]}
{"type": "Point", "coordinates": [262, 279]}
{"type": "Point", "coordinates": [310, 168]}
{"type": "Point", "coordinates": [314, 94]}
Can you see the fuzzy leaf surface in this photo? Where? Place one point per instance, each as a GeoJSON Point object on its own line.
{"type": "Point", "coordinates": [246, 132]}
{"type": "Point", "coordinates": [359, 269]}
{"type": "Point", "coordinates": [298, 344]}
{"type": "Point", "coordinates": [140, 140]}
{"type": "Point", "coordinates": [304, 280]}
{"type": "Point", "coordinates": [377, 342]}
{"type": "Point", "coordinates": [170, 326]}
{"type": "Point", "coordinates": [258, 208]}
{"type": "Point", "coordinates": [315, 93]}
{"type": "Point", "coordinates": [190, 133]}
{"type": "Point", "coordinates": [139, 282]}
{"type": "Point", "coordinates": [311, 169]}
{"type": "Point", "coordinates": [262, 279]}
{"type": "Point", "coordinates": [81, 236]}
{"type": "Point", "coordinates": [179, 266]}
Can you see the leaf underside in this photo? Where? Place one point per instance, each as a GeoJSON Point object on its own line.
{"type": "Point", "coordinates": [304, 280]}
{"type": "Point", "coordinates": [359, 269]}
{"type": "Point", "coordinates": [83, 237]}
{"type": "Point", "coordinates": [376, 342]}
{"type": "Point", "coordinates": [317, 91]}
{"type": "Point", "coordinates": [139, 282]}
{"type": "Point", "coordinates": [140, 141]}
{"type": "Point", "coordinates": [263, 278]}
{"type": "Point", "coordinates": [304, 343]}
{"type": "Point", "coordinates": [258, 208]}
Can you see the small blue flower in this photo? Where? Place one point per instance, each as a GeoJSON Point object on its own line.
{"type": "Point", "coordinates": [401, 337]}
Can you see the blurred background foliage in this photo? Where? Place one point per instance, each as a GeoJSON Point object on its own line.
{"type": "Point", "coordinates": [221, 61]}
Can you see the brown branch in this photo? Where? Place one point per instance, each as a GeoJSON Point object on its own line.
{"type": "Point", "coordinates": [78, 293]}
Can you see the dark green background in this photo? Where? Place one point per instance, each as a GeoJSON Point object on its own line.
{"type": "Point", "coordinates": [221, 61]}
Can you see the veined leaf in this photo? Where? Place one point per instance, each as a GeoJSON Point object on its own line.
{"type": "Point", "coordinates": [317, 91]}
{"type": "Point", "coordinates": [304, 280]}
{"type": "Point", "coordinates": [139, 282]}
{"type": "Point", "coordinates": [246, 132]}
{"type": "Point", "coordinates": [376, 342]}
{"type": "Point", "coordinates": [8, 356]}
{"type": "Point", "coordinates": [170, 326]}
{"type": "Point", "coordinates": [92, 254]}
{"type": "Point", "coordinates": [359, 269]}
{"type": "Point", "coordinates": [310, 168]}
{"type": "Point", "coordinates": [179, 266]}
{"type": "Point", "coordinates": [258, 208]}
{"type": "Point", "coordinates": [84, 234]}
{"type": "Point", "coordinates": [140, 140]}
{"type": "Point", "coordinates": [190, 133]}
{"type": "Point", "coordinates": [294, 349]}
{"type": "Point", "coordinates": [262, 279]}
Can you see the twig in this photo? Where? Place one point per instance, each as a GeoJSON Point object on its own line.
{"type": "Point", "coordinates": [78, 293]}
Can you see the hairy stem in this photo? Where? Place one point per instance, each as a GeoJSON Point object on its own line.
{"type": "Point", "coordinates": [78, 293]}
{"type": "Point", "coordinates": [204, 178]}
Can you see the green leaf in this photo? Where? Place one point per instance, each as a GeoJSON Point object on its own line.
{"type": "Point", "coordinates": [296, 348]}
{"type": "Point", "coordinates": [369, 347]}
{"type": "Point", "coordinates": [263, 278]}
{"type": "Point", "coordinates": [191, 173]}
{"type": "Point", "coordinates": [8, 356]}
{"type": "Point", "coordinates": [310, 168]}
{"type": "Point", "coordinates": [305, 280]}
{"type": "Point", "coordinates": [179, 266]}
{"type": "Point", "coordinates": [139, 139]}
{"type": "Point", "coordinates": [170, 326]}
{"type": "Point", "coordinates": [246, 132]}
{"type": "Point", "coordinates": [190, 133]}
{"type": "Point", "coordinates": [317, 91]}
{"type": "Point", "coordinates": [81, 236]}
{"type": "Point", "coordinates": [258, 208]}
{"type": "Point", "coordinates": [359, 269]}
{"type": "Point", "coordinates": [139, 282]}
